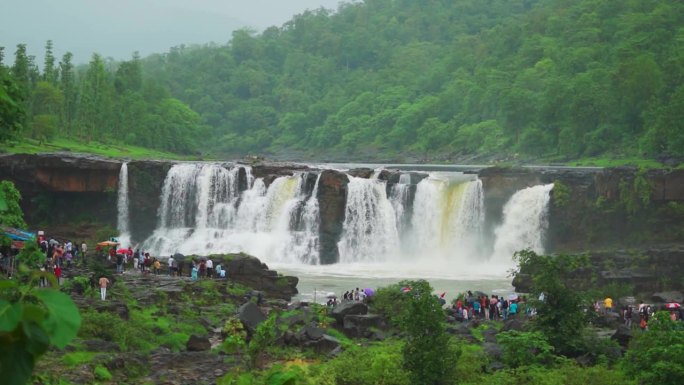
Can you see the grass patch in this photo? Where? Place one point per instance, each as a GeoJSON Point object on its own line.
{"type": "Point", "coordinates": [77, 358]}
{"type": "Point", "coordinates": [101, 373]}
{"type": "Point", "coordinates": [111, 150]}
{"type": "Point", "coordinates": [616, 162]}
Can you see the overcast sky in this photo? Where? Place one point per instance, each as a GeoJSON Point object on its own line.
{"type": "Point", "coordinates": [116, 28]}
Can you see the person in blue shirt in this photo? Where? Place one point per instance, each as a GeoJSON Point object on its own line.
{"type": "Point", "coordinates": [513, 309]}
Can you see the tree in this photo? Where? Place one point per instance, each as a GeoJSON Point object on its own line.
{"type": "Point", "coordinates": [428, 354]}
{"type": "Point", "coordinates": [10, 211]}
{"type": "Point", "coordinates": [96, 100]}
{"type": "Point", "coordinates": [67, 85]}
{"type": "Point", "coordinates": [560, 317]}
{"type": "Point", "coordinates": [655, 357]}
{"type": "Point", "coordinates": [12, 110]}
{"type": "Point", "coordinates": [49, 71]}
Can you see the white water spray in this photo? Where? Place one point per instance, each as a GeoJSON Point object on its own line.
{"type": "Point", "coordinates": [369, 232]}
{"type": "Point", "coordinates": [122, 223]}
{"type": "Point", "coordinates": [524, 222]}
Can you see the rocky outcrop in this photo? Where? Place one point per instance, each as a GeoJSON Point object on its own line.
{"type": "Point", "coordinates": [348, 308]}
{"type": "Point", "coordinates": [145, 182]}
{"type": "Point", "coordinates": [645, 270]}
{"type": "Point", "coordinates": [332, 194]}
{"type": "Point", "coordinates": [56, 188]}
{"type": "Point", "coordinates": [251, 272]}
{"type": "Point", "coordinates": [198, 344]}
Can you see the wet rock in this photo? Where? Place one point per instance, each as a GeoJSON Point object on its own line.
{"type": "Point", "coordinates": [360, 325]}
{"type": "Point", "coordinates": [250, 271]}
{"type": "Point", "coordinates": [493, 350]}
{"type": "Point", "coordinates": [309, 333]}
{"type": "Point", "coordinates": [198, 344]}
{"type": "Point", "coordinates": [325, 345]}
{"type": "Point", "coordinates": [514, 324]}
{"type": "Point", "coordinates": [332, 192]}
{"type": "Point", "coordinates": [348, 308]}
{"type": "Point", "coordinates": [668, 296]}
{"type": "Point", "coordinates": [251, 316]}
{"type": "Point", "coordinates": [622, 336]}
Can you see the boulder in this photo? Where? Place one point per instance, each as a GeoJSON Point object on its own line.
{"type": "Point", "coordinates": [489, 334]}
{"type": "Point", "coordinates": [251, 316]}
{"type": "Point", "coordinates": [668, 296]}
{"type": "Point", "coordinates": [514, 324]}
{"type": "Point", "coordinates": [348, 308]}
{"type": "Point", "coordinates": [309, 333]}
{"type": "Point", "coordinates": [250, 271]}
{"type": "Point", "coordinates": [360, 325]}
{"type": "Point", "coordinates": [325, 345]}
{"type": "Point", "coordinates": [622, 335]}
{"type": "Point", "coordinates": [493, 350]}
{"type": "Point", "coordinates": [198, 344]}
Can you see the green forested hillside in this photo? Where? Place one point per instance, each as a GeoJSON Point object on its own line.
{"type": "Point", "coordinates": [403, 79]}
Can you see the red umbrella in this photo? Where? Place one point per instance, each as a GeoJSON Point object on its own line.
{"type": "Point", "coordinates": [672, 305]}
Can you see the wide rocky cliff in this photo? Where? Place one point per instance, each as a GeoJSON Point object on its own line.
{"type": "Point", "coordinates": [590, 208]}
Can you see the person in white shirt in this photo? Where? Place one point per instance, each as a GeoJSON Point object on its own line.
{"type": "Point", "coordinates": [210, 268]}
{"type": "Point", "coordinates": [172, 267]}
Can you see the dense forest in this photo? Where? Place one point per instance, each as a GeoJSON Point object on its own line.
{"type": "Point", "coordinates": [391, 79]}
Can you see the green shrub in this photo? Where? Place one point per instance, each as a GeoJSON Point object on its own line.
{"type": "Point", "coordinates": [655, 357]}
{"type": "Point", "coordinates": [101, 373]}
{"type": "Point", "coordinates": [375, 364]}
{"type": "Point", "coordinates": [525, 348]}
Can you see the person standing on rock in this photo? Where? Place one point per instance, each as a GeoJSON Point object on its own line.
{"type": "Point", "coordinates": [84, 251]}
{"type": "Point", "coordinates": [210, 268]}
{"type": "Point", "coordinates": [104, 282]}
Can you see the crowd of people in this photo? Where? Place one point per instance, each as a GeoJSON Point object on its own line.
{"type": "Point", "coordinates": [175, 265]}
{"type": "Point", "coordinates": [469, 306]}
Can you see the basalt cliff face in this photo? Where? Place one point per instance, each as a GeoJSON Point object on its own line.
{"type": "Point", "coordinates": [590, 208]}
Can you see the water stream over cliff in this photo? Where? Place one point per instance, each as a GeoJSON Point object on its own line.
{"type": "Point", "coordinates": [123, 220]}
{"type": "Point", "coordinates": [433, 227]}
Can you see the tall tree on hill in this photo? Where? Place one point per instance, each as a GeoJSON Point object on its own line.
{"type": "Point", "coordinates": [94, 109]}
{"type": "Point", "coordinates": [49, 71]}
{"type": "Point", "coordinates": [67, 84]}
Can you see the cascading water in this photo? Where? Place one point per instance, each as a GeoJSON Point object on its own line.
{"type": "Point", "coordinates": [122, 223]}
{"type": "Point", "coordinates": [524, 222]}
{"type": "Point", "coordinates": [448, 214]}
{"type": "Point", "coordinates": [369, 232]}
{"type": "Point", "coordinates": [399, 197]}
{"type": "Point", "coordinates": [203, 212]}
{"type": "Point", "coordinates": [302, 240]}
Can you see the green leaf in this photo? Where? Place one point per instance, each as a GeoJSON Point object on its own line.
{"type": "Point", "coordinates": [63, 319]}
{"type": "Point", "coordinates": [10, 314]}
{"type": "Point", "coordinates": [38, 342]}
{"type": "Point", "coordinates": [7, 284]}
{"type": "Point", "coordinates": [16, 363]}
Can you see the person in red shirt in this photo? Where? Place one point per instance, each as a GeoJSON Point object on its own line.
{"type": "Point", "coordinates": [58, 274]}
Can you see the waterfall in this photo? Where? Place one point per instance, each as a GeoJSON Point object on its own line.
{"type": "Point", "coordinates": [524, 222]}
{"type": "Point", "coordinates": [208, 208]}
{"type": "Point", "coordinates": [302, 240]}
{"type": "Point", "coordinates": [369, 232]}
{"type": "Point", "coordinates": [122, 223]}
{"type": "Point", "coordinates": [448, 216]}
{"type": "Point", "coordinates": [202, 212]}
{"type": "Point", "coordinates": [399, 197]}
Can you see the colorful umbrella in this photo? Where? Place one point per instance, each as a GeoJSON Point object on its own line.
{"type": "Point", "coordinates": [672, 305]}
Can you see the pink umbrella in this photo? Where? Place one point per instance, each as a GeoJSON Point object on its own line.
{"type": "Point", "coordinates": [672, 305]}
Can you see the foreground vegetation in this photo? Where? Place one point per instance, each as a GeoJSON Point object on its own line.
{"type": "Point", "coordinates": [141, 333]}
{"type": "Point", "coordinates": [386, 79]}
